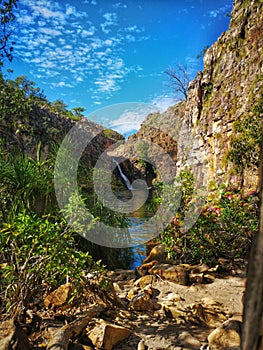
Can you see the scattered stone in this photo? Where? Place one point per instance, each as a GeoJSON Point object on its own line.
{"type": "Point", "coordinates": [144, 268]}
{"type": "Point", "coordinates": [12, 336]}
{"type": "Point", "coordinates": [173, 297]}
{"type": "Point", "coordinates": [186, 339]}
{"type": "Point", "coordinates": [174, 273]}
{"type": "Point", "coordinates": [225, 336]}
{"type": "Point", "coordinates": [141, 345]}
{"type": "Point", "coordinates": [173, 310]}
{"type": "Point", "coordinates": [144, 281]}
{"type": "Point", "coordinates": [122, 275]}
{"type": "Point", "coordinates": [141, 302]}
{"type": "Point", "coordinates": [132, 293]}
{"type": "Point", "coordinates": [209, 315]}
{"type": "Point", "coordinates": [117, 288]}
{"type": "Point", "coordinates": [58, 297]}
{"type": "Point", "coordinates": [157, 253]}
{"type": "Point", "coordinates": [77, 346]}
{"type": "Point", "coordinates": [105, 335]}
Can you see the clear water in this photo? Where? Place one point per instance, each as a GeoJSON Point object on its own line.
{"type": "Point", "coordinates": [135, 219]}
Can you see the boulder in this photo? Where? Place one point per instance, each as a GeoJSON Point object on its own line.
{"type": "Point", "coordinates": [13, 337]}
{"type": "Point", "coordinates": [210, 315]}
{"type": "Point", "coordinates": [77, 346]}
{"type": "Point", "coordinates": [144, 281]}
{"type": "Point", "coordinates": [141, 302]}
{"type": "Point", "coordinates": [59, 297]}
{"type": "Point", "coordinates": [157, 253]}
{"type": "Point", "coordinates": [186, 339]}
{"type": "Point", "coordinates": [105, 335]}
{"type": "Point", "coordinates": [132, 293]}
{"type": "Point", "coordinates": [226, 336]}
{"type": "Point", "coordinates": [173, 273]}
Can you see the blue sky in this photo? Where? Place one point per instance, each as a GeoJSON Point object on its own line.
{"type": "Point", "coordinates": [97, 53]}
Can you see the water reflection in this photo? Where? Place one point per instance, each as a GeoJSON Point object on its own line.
{"type": "Point", "coordinates": [140, 233]}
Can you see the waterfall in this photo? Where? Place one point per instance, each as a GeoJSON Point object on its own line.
{"type": "Point", "coordinates": [125, 179]}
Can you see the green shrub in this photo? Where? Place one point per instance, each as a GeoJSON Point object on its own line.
{"type": "Point", "coordinates": [224, 229]}
{"type": "Point", "coordinates": [38, 254]}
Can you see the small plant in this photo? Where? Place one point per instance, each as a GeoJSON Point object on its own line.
{"type": "Point", "coordinates": [225, 227]}
{"type": "Point", "coordinates": [245, 142]}
{"type": "Point", "coordinates": [38, 254]}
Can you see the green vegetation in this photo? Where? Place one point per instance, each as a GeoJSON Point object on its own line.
{"type": "Point", "coordinates": [245, 142]}
{"type": "Point", "coordinates": [38, 254]}
{"type": "Point", "coordinates": [7, 17]}
{"type": "Point", "coordinates": [19, 97]}
{"type": "Point", "coordinates": [207, 91]}
{"type": "Point", "coordinates": [224, 229]}
{"type": "Point", "coordinates": [39, 250]}
{"type": "Point", "coordinates": [202, 52]}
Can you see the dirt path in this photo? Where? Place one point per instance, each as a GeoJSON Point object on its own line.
{"type": "Point", "coordinates": [161, 331]}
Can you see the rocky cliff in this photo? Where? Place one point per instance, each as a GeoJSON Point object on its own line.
{"type": "Point", "coordinates": [41, 127]}
{"type": "Point", "coordinates": [226, 91]}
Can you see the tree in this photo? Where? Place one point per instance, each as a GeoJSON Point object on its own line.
{"type": "Point", "coordinates": [179, 79]}
{"type": "Point", "coordinates": [78, 112]}
{"type": "Point", "coordinates": [59, 107]}
{"type": "Point", "coordinates": [252, 332]}
{"type": "Point", "coordinates": [7, 17]}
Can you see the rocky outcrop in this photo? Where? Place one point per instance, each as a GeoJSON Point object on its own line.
{"type": "Point", "coordinates": [44, 129]}
{"type": "Point", "coordinates": [227, 90]}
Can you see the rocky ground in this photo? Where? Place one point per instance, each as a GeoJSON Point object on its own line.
{"type": "Point", "coordinates": [157, 311]}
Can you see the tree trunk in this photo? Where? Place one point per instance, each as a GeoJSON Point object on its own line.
{"type": "Point", "coordinates": [252, 331]}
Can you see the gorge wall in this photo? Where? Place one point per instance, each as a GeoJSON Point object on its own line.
{"type": "Point", "coordinates": [43, 129]}
{"type": "Point", "coordinates": [198, 131]}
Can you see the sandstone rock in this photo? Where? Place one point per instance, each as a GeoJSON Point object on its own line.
{"type": "Point", "coordinates": [117, 287]}
{"type": "Point", "coordinates": [209, 315]}
{"type": "Point", "coordinates": [141, 345]}
{"type": "Point", "coordinates": [226, 336]}
{"type": "Point", "coordinates": [144, 268]}
{"type": "Point", "coordinates": [186, 339]}
{"type": "Point", "coordinates": [173, 310]}
{"type": "Point", "coordinates": [157, 253]}
{"type": "Point", "coordinates": [144, 281]}
{"type": "Point", "coordinates": [227, 89]}
{"type": "Point", "coordinates": [77, 346]}
{"type": "Point", "coordinates": [132, 293]}
{"type": "Point", "coordinates": [122, 275]}
{"type": "Point", "coordinates": [174, 273]}
{"type": "Point", "coordinates": [59, 296]}
{"type": "Point", "coordinates": [105, 335]}
{"type": "Point", "coordinates": [13, 337]}
{"type": "Point", "coordinates": [141, 302]}
{"type": "Point", "coordinates": [173, 297]}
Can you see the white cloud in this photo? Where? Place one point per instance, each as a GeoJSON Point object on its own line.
{"type": "Point", "coordinates": [220, 11]}
{"type": "Point", "coordinates": [111, 20]}
{"type": "Point", "coordinates": [162, 103]}
{"type": "Point", "coordinates": [50, 31]}
{"type": "Point", "coordinates": [128, 121]}
{"type": "Point", "coordinates": [61, 84]}
{"type": "Point", "coordinates": [85, 33]}
{"type": "Point", "coordinates": [119, 5]}
{"type": "Point", "coordinates": [26, 20]}
{"type": "Point", "coordinates": [55, 41]}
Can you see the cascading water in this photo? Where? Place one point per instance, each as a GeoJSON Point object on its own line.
{"type": "Point", "coordinates": [124, 177]}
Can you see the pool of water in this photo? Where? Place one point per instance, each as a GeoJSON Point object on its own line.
{"type": "Point", "coordinates": [138, 228]}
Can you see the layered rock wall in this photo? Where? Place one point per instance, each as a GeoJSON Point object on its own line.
{"type": "Point", "coordinates": [227, 89]}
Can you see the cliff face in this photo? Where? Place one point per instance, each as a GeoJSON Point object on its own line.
{"type": "Point", "coordinates": [45, 129]}
{"type": "Point", "coordinates": [228, 88]}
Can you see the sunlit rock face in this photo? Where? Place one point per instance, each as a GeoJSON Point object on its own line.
{"type": "Point", "coordinates": [230, 84]}
{"type": "Point", "coordinates": [44, 130]}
